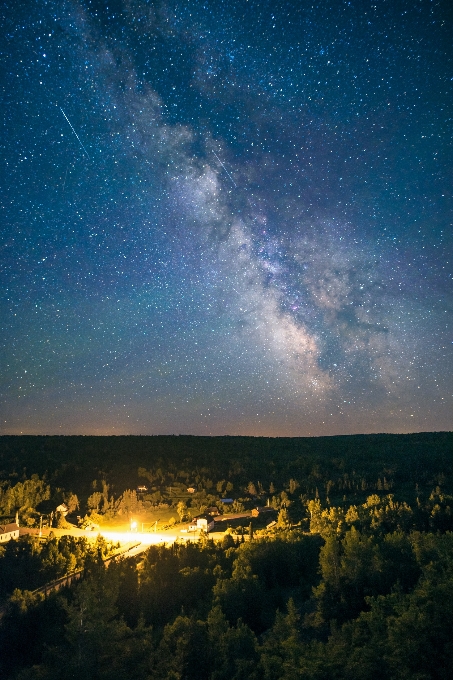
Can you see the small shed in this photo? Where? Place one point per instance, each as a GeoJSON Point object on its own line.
{"type": "Point", "coordinates": [62, 509]}
{"type": "Point", "coordinates": [256, 512]}
{"type": "Point", "coordinates": [9, 531]}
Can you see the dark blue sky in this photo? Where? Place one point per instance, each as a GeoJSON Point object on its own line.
{"type": "Point", "coordinates": [226, 217]}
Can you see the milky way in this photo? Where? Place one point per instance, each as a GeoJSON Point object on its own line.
{"type": "Point", "coordinates": [245, 228]}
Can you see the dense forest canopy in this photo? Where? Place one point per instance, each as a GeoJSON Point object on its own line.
{"type": "Point", "coordinates": [421, 458]}
{"type": "Point", "coordinates": [352, 580]}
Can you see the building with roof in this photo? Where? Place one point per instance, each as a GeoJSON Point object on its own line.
{"type": "Point", "coordinates": [204, 522]}
{"type": "Point", "coordinates": [258, 511]}
{"type": "Point", "coordinates": [9, 531]}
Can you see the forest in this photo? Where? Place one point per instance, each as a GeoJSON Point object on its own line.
{"type": "Point", "coordinates": [353, 579]}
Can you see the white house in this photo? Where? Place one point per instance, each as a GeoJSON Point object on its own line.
{"type": "Point", "coordinates": [8, 531]}
{"type": "Point", "coordinates": [204, 522]}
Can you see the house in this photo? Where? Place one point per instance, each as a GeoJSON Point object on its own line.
{"type": "Point", "coordinates": [213, 510]}
{"type": "Point", "coordinates": [191, 489]}
{"type": "Point", "coordinates": [142, 488]}
{"type": "Point", "coordinates": [203, 522]}
{"type": "Point", "coordinates": [227, 501]}
{"type": "Point", "coordinates": [9, 531]}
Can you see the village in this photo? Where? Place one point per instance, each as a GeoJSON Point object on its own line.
{"type": "Point", "coordinates": [148, 528]}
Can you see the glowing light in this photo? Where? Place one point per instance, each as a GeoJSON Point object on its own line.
{"type": "Point", "coordinates": [134, 537]}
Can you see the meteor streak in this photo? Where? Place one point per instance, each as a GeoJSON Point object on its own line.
{"type": "Point", "coordinates": [79, 140]}
{"type": "Point", "coordinates": [222, 167]}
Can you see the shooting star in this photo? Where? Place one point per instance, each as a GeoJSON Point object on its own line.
{"type": "Point", "coordinates": [78, 138]}
{"type": "Point", "coordinates": [222, 167]}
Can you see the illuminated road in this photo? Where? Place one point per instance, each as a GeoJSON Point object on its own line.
{"type": "Point", "coordinates": [146, 539]}
{"type": "Point", "coordinates": [123, 537]}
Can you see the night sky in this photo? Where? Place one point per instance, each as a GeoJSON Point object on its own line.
{"type": "Point", "coordinates": [226, 217]}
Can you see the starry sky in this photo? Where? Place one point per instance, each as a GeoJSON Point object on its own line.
{"type": "Point", "coordinates": [226, 217]}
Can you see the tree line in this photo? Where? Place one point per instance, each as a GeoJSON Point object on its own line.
{"type": "Point", "coordinates": [100, 475]}
{"type": "Point", "coordinates": [333, 467]}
